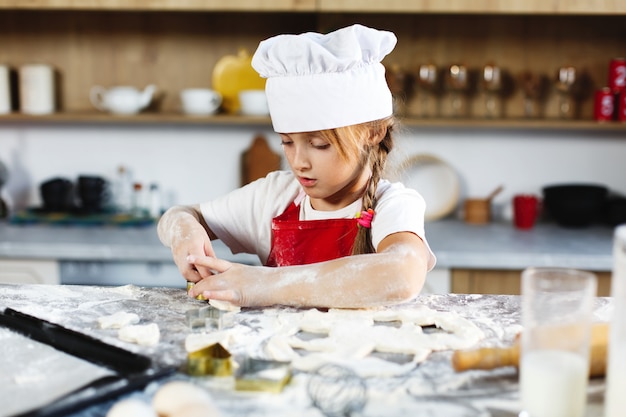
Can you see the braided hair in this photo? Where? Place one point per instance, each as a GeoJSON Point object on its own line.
{"type": "Point", "coordinates": [360, 142]}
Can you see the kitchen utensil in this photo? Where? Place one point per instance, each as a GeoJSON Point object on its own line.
{"type": "Point", "coordinates": [92, 192]}
{"type": "Point", "coordinates": [616, 210]}
{"type": "Point", "coordinates": [258, 160]}
{"type": "Point", "coordinates": [525, 211]}
{"type": "Point", "coordinates": [133, 371]}
{"type": "Point", "coordinates": [435, 180]}
{"type": "Point", "coordinates": [457, 82]}
{"type": "Point", "coordinates": [495, 357]}
{"type": "Point", "coordinates": [575, 205]}
{"type": "Point", "coordinates": [533, 86]}
{"type": "Point", "coordinates": [253, 103]}
{"type": "Point", "coordinates": [37, 89]}
{"type": "Point", "coordinates": [121, 99]}
{"type": "Point", "coordinates": [557, 306]}
{"type": "Point", "coordinates": [492, 85]}
{"type": "Point", "coordinates": [337, 391]}
{"type": "Point", "coordinates": [428, 80]}
{"type": "Point", "coordinates": [57, 194]}
{"type": "Point", "coordinates": [232, 74]}
{"type": "Point", "coordinates": [478, 210]}
{"type": "Point", "coordinates": [566, 82]}
{"type": "Point", "coordinates": [200, 101]}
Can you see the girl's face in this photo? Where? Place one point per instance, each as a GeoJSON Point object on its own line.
{"type": "Point", "coordinates": [330, 181]}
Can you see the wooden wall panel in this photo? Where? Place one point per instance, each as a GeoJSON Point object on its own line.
{"type": "Point", "coordinates": [172, 50]}
{"type": "Point", "coordinates": [474, 281]}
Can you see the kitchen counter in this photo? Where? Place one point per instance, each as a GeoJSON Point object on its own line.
{"type": "Point", "coordinates": [429, 388]}
{"type": "Point", "coordinates": [456, 244]}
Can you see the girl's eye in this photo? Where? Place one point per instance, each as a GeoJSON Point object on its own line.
{"type": "Point", "coordinates": [322, 146]}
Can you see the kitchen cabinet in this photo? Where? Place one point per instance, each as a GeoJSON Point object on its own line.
{"type": "Point", "coordinates": [478, 281]}
{"type": "Point", "coordinates": [175, 45]}
{"type": "Point", "coordinates": [29, 271]}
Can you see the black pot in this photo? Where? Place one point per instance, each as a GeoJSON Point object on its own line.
{"type": "Point", "coordinates": [616, 211]}
{"type": "Point", "coordinates": [57, 194]}
{"type": "Point", "coordinates": [92, 192]}
{"type": "Point", "coordinates": [575, 205]}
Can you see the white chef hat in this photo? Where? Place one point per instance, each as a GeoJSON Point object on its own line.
{"type": "Point", "coordinates": [317, 82]}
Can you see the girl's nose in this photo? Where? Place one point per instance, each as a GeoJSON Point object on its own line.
{"type": "Point", "coordinates": [300, 159]}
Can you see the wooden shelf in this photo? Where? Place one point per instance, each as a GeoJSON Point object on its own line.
{"type": "Point", "coordinates": [141, 118]}
{"type": "Point", "coordinates": [238, 120]}
{"type": "Point", "coordinates": [555, 7]}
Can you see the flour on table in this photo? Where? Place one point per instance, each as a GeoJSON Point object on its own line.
{"type": "Point", "coordinates": [118, 320]}
{"type": "Point", "coordinates": [141, 334]}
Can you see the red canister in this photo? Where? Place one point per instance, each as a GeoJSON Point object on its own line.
{"type": "Point", "coordinates": [604, 105]}
{"type": "Point", "coordinates": [617, 75]}
{"type": "Point", "coordinates": [525, 210]}
{"type": "Point", "coordinates": [621, 106]}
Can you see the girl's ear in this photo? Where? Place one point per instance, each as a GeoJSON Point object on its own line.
{"type": "Point", "coordinates": [376, 136]}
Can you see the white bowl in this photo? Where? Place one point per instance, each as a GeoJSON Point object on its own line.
{"type": "Point", "coordinates": [253, 103]}
{"type": "Point", "coordinates": [200, 101]}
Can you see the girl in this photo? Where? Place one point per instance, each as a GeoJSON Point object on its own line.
{"type": "Point", "coordinates": [330, 103]}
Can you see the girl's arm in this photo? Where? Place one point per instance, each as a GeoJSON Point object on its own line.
{"type": "Point", "coordinates": [183, 229]}
{"type": "Point", "coordinates": [394, 274]}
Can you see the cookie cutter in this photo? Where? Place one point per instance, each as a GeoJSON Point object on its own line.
{"type": "Point", "coordinates": [262, 375]}
{"type": "Point", "coordinates": [212, 360]}
{"type": "Point", "coordinates": [205, 318]}
{"type": "Point", "coordinates": [190, 286]}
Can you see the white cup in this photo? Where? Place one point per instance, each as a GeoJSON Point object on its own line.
{"type": "Point", "coordinates": [557, 310]}
{"type": "Point", "coordinates": [5, 90]}
{"type": "Point", "coordinates": [200, 101]}
{"type": "Point", "coordinates": [37, 89]}
{"type": "Point", "coordinates": [253, 103]}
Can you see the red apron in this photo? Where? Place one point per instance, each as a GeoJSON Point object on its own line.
{"type": "Point", "coordinates": [301, 242]}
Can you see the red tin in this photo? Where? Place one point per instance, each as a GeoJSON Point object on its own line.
{"type": "Point", "coordinates": [604, 105]}
{"type": "Point", "coordinates": [621, 106]}
{"type": "Point", "coordinates": [617, 75]}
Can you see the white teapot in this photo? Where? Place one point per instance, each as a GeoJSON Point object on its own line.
{"type": "Point", "coordinates": [122, 99]}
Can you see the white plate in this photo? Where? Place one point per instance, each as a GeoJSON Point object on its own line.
{"type": "Point", "coordinates": [435, 180]}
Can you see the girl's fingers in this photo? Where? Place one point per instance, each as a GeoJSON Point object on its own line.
{"type": "Point", "coordinates": [230, 296]}
{"type": "Point", "coordinates": [214, 264]}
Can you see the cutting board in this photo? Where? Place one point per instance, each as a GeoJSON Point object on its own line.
{"type": "Point", "coordinates": [258, 160]}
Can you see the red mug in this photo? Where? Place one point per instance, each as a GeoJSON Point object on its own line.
{"type": "Point", "coordinates": [525, 210]}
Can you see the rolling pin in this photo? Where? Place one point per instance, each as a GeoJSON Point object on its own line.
{"type": "Point", "coordinates": [490, 358]}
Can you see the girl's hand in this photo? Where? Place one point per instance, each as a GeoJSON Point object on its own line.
{"type": "Point", "coordinates": [227, 282]}
{"type": "Point", "coordinates": [183, 230]}
{"type": "Point", "coordinates": [196, 243]}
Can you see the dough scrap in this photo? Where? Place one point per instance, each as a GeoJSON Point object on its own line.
{"type": "Point", "coordinates": [177, 395]}
{"type": "Point", "coordinates": [118, 320]}
{"type": "Point", "coordinates": [225, 306]}
{"type": "Point", "coordinates": [141, 334]}
{"type": "Point", "coordinates": [348, 337]}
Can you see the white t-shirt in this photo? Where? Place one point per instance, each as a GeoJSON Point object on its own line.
{"type": "Point", "coordinates": [242, 219]}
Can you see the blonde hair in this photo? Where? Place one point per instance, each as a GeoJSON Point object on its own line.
{"type": "Point", "coordinates": [360, 142]}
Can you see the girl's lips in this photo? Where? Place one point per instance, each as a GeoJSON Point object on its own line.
{"type": "Point", "coordinates": [307, 182]}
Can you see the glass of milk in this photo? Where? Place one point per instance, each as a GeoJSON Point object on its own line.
{"type": "Point", "coordinates": [615, 398]}
{"type": "Point", "coordinates": [557, 308]}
